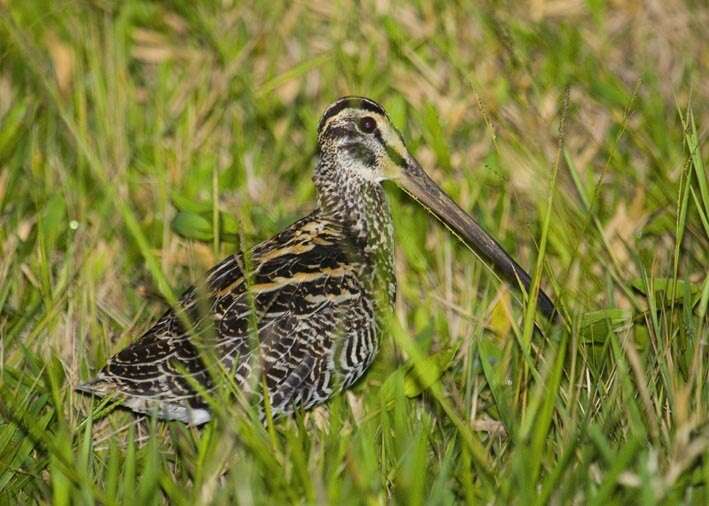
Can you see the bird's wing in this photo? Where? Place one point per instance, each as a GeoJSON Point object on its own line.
{"type": "Point", "coordinates": [299, 290]}
{"type": "Point", "coordinates": [297, 276]}
{"type": "Point", "coordinates": [151, 374]}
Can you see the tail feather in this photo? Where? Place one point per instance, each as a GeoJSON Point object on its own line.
{"type": "Point", "coordinates": [103, 387]}
{"type": "Point", "coordinates": [98, 386]}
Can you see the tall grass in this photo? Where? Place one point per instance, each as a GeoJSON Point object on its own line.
{"type": "Point", "coordinates": [575, 131]}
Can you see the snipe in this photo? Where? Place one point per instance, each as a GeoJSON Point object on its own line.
{"type": "Point", "coordinates": [312, 296]}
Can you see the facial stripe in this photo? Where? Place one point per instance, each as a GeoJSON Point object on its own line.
{"type": "Point", "coordinates": [360, 152]}
{"type": "Point", "coordinates": [395, 157]}
{"type": "Point", "coordinates": [391, 152]}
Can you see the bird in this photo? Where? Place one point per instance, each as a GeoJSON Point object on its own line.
{"type": "Point", "coordinates": [301, 314]}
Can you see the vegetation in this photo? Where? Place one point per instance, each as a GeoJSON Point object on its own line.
{"type": "Point", "coordinates": [141, 142]}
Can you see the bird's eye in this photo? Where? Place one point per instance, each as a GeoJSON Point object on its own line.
{"type": "Point", "coordinates": [367, 124]}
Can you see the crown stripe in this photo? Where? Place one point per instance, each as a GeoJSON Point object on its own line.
{"type": "Point", "coordinates": [350, 103]}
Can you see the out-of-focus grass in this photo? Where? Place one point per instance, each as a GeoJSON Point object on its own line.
{"type": "Point", "coordinates": [115, 115]}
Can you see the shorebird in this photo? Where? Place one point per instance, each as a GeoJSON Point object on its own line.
{"type": "Point", "coordinates": [301, 314]}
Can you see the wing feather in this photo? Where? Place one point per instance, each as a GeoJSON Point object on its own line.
{"type": "Point", "coordinates": [302, 272]}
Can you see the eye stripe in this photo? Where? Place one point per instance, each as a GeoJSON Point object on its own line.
{"type": "Point", "coordinates": [391, 152]}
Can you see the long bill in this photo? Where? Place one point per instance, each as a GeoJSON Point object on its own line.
{"type": "Point", "coordinates": [421, 187]}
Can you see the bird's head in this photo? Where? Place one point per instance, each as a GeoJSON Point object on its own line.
{"type": "Point", "coordinates": [360, 138]}
{"type": "Point", "coordinates": [356, 135]}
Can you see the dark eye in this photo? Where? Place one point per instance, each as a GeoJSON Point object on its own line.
{"type": "Point", "coordinates": [367, 124]}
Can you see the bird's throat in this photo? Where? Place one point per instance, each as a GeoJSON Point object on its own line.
{"type": "Point", "coordinates": [361, 208]}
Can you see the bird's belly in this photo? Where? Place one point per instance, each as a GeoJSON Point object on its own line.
{"type": "Point", "coordinates": [357, 350]}
{"type": "Point", "coordinates": [338, 348]}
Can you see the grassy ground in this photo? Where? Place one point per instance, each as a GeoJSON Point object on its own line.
{"type": "Point", "coordinates": [575, 131]}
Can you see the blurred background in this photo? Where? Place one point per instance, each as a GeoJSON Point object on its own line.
{"type": "Point", "coordinates": [140, 142]}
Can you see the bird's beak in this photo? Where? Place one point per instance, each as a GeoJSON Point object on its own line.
{"type": "Point", "coordinates": [413, 179]}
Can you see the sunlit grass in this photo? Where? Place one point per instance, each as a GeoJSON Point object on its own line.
{"type": "Point", "coordinates": [574, 132]}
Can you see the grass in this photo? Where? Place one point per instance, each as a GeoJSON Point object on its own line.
{"type": "Point", "coordinates": [575, 131]}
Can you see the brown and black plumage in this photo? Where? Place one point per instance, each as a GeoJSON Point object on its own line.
{"type": "Point", "coordinates": [303, 311]}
